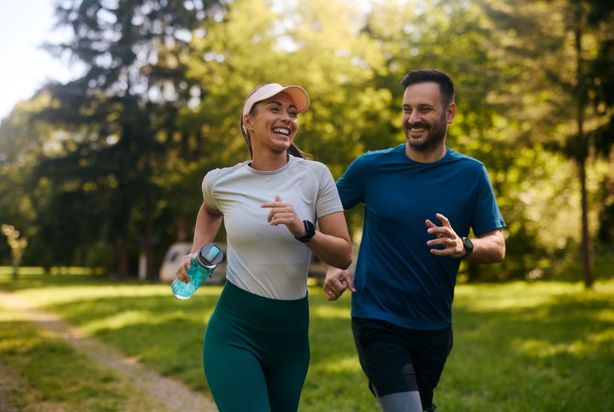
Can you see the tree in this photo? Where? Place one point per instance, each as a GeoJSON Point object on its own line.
{"type": "Point", "coordinates": [133, 84]}
{"type": "Point", "coordinates": [570, 73]}
{"type": "Point", "coordinates": [17, 244]}
{"type": "Point", "coordinates": [316, 44]}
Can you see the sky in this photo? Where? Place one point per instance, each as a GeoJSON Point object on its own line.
{"type": "Point", "coordinates": [24, 25]}
{"type": "Point", "coordinates": [24, 66]}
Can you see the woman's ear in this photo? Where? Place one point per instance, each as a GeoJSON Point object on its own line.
{"type": "Point", "coordinates": [247, 122]}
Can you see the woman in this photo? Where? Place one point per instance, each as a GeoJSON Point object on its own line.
{"type": "Point", "coordinates": [256, 350]}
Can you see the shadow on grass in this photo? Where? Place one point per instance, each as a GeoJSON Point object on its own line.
{"type": "Point", "coordinates": [518, 347]}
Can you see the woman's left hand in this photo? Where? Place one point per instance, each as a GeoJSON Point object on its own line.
{"type": "Point", "coordinates": [284, 214]}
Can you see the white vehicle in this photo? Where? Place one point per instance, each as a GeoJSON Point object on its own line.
{"type": "Point", "coordinates": [173, 256]}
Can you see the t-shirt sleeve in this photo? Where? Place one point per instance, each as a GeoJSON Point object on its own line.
{"type": "Point", "coordinates": [351, 184]}
{"type": "Point", "coordinates": [328, 198]}
{"type": "Point", "coordinates": [207, 187]}
{"type": "Point", "coordinates": [487, 216]}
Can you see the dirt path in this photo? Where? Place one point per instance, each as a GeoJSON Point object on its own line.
{"type": "Point", "coordinates": [173, 394]}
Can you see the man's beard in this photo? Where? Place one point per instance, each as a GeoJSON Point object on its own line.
{"type": "Point", "coordinates": [436, 135]}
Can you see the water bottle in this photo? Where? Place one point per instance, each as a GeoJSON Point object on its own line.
{"type": "Point", "coordinates": [201, 267]}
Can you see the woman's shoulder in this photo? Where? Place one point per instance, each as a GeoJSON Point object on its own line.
{"type": "Point", "coordinates": [220, 171]}
{"type": "Point", "coordinates": [313, 166]}
{"type": "Point", "coordinates": [214, 175]}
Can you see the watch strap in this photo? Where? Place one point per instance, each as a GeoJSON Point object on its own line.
{"type": "Point", "coordinates": [468, 247]}
{"type": "Point", "coordinates": [310, 232]}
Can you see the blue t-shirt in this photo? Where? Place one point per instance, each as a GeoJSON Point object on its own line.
{"type": "Point", "coordinates": [397, 279]}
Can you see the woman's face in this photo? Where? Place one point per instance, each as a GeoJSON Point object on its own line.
{"type": "Point", "coordinates": [274, 125]}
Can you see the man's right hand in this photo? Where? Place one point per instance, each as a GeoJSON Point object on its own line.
{"type": "Point", "coordinates": [336, 282]}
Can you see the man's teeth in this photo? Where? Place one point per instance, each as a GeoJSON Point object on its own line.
{"type": "Point", "coordinates": [282, 131]}
{"type": "Point", "coordinates": [417, 129]}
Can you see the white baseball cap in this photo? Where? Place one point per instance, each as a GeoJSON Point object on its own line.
{"type": "Point", "coordinates": [299, 96]}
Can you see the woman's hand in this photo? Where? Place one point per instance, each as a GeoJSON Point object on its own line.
{"type": "Point", "coordinates": [184, 264]}
{"type": "Point", "coordinates": [331, 242]}
{"type": "Point", "coordinates": [284, 214]}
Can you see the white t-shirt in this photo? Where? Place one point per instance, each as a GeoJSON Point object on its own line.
{"type": "Point", "coordinates": [263, 259]}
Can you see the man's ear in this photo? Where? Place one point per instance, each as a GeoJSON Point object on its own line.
{"type": "Point", "coordinates": [450, 112]}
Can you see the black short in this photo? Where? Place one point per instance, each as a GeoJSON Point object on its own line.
{"type": "Point", "coordinates": [397, 359]}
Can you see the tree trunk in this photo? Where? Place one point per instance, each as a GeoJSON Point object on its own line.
{"type": "Point", "coordinates": [587, 266]}
{"type": "Point", "coordinates": [123, 260]}
{"type": "Point", "coordinates": [587, 270]}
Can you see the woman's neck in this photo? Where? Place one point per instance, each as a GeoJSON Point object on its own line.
{"type": "Point", "coordinates": [269, 161]}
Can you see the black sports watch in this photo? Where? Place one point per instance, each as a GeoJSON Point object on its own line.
{"type": "Point", "coordinates": [468, 246]}
{"type": "Point", "coordinates": [311, 232]}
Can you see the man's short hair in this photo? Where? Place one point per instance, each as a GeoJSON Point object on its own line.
{"type": "Point", "coordinates": [446, 86]}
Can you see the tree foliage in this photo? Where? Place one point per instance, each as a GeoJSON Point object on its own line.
{"type": "Point", "coordinates": [107, 167]}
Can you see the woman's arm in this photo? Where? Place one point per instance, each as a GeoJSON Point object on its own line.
{"type": "Point", "coordinates": [208, 222]}
{"type": "Point", "coordinates": [331, 242]}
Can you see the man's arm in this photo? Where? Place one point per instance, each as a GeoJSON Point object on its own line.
{"type": "Point", "coordinates": [487, 248]}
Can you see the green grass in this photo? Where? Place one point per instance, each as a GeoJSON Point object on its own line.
{"type": "Point", "coordinates": [531, 347]}
{"type": "Point", "coordinates": [544, 346]}
{"type": "Point", "coordinates": [40, 372]}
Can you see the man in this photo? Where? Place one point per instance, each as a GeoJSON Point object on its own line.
{"type": "Point", "coordinates": [421, 199]}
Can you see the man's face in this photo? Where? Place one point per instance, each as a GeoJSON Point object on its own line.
{"type": "Point", "coordinates": [425, 120]}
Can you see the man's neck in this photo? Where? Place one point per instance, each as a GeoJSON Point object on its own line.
{"type": "Point", "coordinates": [430, 156]}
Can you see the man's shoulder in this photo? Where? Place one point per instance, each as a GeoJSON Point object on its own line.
{"type": "Point", "coordinates": [385, 152]}
{"type": "Point", "coordinates": [463, 159]}
{"type": "Point", "coordinates": [381, 154]}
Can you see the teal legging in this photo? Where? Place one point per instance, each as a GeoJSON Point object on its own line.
{"type": "Point", "coordinates": [256, 352]}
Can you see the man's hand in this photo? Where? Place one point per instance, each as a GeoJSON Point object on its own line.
{"type": "Point", "coordinates": [336, 282]}
{"type": "Point", "coordinates": [451, 243]}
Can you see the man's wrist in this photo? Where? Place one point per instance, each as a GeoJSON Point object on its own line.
{"type": "Point", "coordinates": [467, 247]}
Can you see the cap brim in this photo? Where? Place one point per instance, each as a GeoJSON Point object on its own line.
{"type": "Point", "coordinates": [299, 96]}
